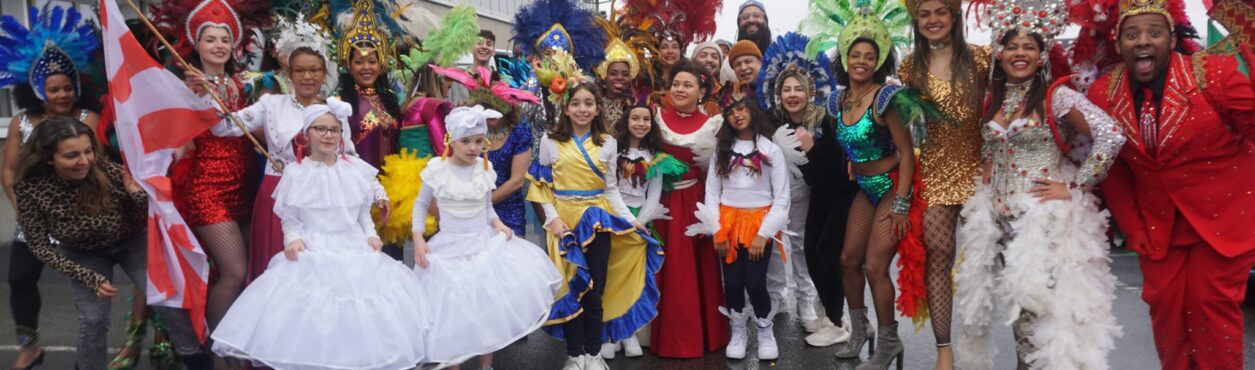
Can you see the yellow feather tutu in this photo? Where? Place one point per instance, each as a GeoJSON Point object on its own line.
{"type": "Point", "coordinates": [400, 179]}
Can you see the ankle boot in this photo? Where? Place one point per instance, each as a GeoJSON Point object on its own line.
{"type": "Point", "coordinates": [740, 335]}
{"type": "Point", "coordinates": [767, 350]}
{"type": "Point", "coordinates": [891, 350]}
{"type": "Point", "coordinates": [858, 336]}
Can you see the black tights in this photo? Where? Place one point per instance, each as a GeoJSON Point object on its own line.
{"type": "Point", "coordinates": [583, 333]}
{"type": "Point", "coordinates": [24, 298]}
{"type": "Point", "coordinates": [745, 276]}
{"type": "Point", "coordinates": [224, 243]}
{"type": "Point", "coordinates": [870, 245]}
{"type": "Point", "coordinates": [939, 230]}
{"type": "Point", "coordinates": [394, 251]}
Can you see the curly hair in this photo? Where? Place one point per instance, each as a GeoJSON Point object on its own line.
{"type": "Point", "coordinates": [37, 156]}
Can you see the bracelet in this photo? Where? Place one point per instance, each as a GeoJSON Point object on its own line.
{"type": "Point", "coordinates": [901, 205]}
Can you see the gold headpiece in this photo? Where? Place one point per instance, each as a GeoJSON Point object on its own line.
{"type": "Point", "coordinates": [619, 52]}
{"type": "Point", "coordinates": [365, 35]}
{"type": "Point", "coordinates": [1129, 8]}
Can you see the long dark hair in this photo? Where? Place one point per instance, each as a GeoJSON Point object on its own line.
{"type": "Point", "coordinates": [37, 153]}
{"type": "Point", "coordinates": [704, 80]}
{"type": "Point", "coordinates": [652, 142]}
{"type": "Point", "coordinates": [383, 87]}
{"type": "Point", "coordinates": [880, 76]}
{"type": "Point", "coordinates": [26, 100]}
{"type": "Point", "coordinates": [1036, 96]}
{"type": "Point", "coordinates": [759, 123]}
{"type": "Point", "coordinates": [963, 62]}
{"type": "Point", "coordinates": [562, 131]}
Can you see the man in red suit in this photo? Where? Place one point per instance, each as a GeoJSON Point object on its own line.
{"type": "Point", "coordinates": [1183, 188]}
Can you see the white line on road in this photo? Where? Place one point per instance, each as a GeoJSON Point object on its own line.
{"type": "Point", "coordinates": [15, 348]}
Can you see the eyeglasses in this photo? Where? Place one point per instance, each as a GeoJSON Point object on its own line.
{"type": "Point", "coordinates": [311, 72]}
{"type": "Point", "coordinates": [320, 130]}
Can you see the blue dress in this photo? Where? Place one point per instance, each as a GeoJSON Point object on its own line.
{"type": "Point", "coordinates": [511, 211]}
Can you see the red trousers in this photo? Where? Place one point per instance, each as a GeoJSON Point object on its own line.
{"type": "Point", "coordinates": [1195, 297]}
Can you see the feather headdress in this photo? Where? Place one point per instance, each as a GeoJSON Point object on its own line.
{"type": "Point", "coordinates": [56, 43]}
{"type": "Point", "coordinates": [184, 20]}
{"type": "Point", "coordinates": [404, 20]}
{"type": "Point", "coordinates": [686, 21]}
{"type": "Point", "coordinates": [787, 57]}
{"type": "Point", "coordinates": [496, 95]}
{"type": "Point", "coordinates": [1095, 52]}
{"type": "Point", "coordinates": [632, 45]}
{"type": "Point", "coordinates": [838, 23]}
{"type": "Point", "coordinates": [558, 74]}
{"type": "Point", "coordinates": [560, 25]}
{"type": "Point", "coordinates": [455, 37]}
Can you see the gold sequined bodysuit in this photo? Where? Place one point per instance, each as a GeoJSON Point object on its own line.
{"type": "Point", "coordinates": [951, 152]}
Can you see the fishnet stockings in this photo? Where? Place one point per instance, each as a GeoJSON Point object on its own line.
{"type": "Point", "coordinates": [870, 245]}
{"type": "Point", "coordinates": [224, 242]}
{"type": "Point", "coordinates": [939, 234]}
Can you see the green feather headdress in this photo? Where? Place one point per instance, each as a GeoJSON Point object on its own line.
{"type": "Point", "coordinates": [838, 23]}
{"type": "Point", "coordinates": [457, 35]}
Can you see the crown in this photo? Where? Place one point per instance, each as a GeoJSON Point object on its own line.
{"type": "Point", "coordinates": [364, 35]}
{"type": "Point", "coordinates": [1046, 18]}
{"type": "Point", "coordinates": [555, 37]}
{"type": "Point", "coordinates": [618, 51]}
{"type": "Point", "coordinates": [1129, 8]}
{"type": "Point", "coordinates": [214, 13]}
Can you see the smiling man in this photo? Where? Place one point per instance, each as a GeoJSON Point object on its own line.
{"type": "Point", "coordinates": [1181, 188]}
{"type": "Point", "coordinates": [752, 25]}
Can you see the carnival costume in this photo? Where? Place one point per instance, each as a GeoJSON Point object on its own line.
{"type": "Point", "coordinates": [546, 25]}
{"type": "Point", "coordinates": [510, 281]}
{"type": "Point", "coordinates": [1180, 189]}
{"type": "Point", "coordinates": [787, 58]}
{"type": "Point", "coordinates": [421, 134]}
{"type": "Point", "coordinates": [608, 266]}
{"type": "Point", "coordinates": [635, 47]}
{"type": "Point", "coordinates": [298, 33]}
{"type": "Point", "coordinates": [683, 21]}
{"type": "Point", "coordinates": [338, 304]}
{"type": "Point", "coordinates": [213, 179]}
{"type": "Point", "coordinates": [55, 44]}
{"type": "Point", "coordinates": [1046, 262]}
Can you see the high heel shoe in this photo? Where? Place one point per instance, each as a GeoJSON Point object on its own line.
{"type": "Point", "coordinates": [128, 357]}
{"type": "Point", "coordinates": [161, 355]}
{"type": "Point", "coordinates": [39, 360]}
{"type": "Point", "coordinates": [891, 350]}
{"type": "Point", "coordinates": [859, 335]}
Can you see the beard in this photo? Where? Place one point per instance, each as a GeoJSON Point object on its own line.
{"type": "Point", "coordinates": [762, 38]}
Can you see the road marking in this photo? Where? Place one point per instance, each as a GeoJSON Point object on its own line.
{"type": "Point", "coordinates": [16, 348]}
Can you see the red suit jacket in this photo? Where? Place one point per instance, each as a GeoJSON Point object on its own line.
{"type": "Point", "coordinates": [1203, 166]}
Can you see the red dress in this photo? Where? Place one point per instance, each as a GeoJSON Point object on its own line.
{"type": "Point", "coordinates": [688, 323]}
{"type": "Point", "coordinates": [1185, 202]}
{"type": "Point", "coordinates": [218, 176]}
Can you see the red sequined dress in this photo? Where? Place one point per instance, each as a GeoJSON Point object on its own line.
{"type": "Point", "coordinates": [217, 177]}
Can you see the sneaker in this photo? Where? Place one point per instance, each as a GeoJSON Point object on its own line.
{"type": "Point", "coordinates": [828, 335]}
{"type": "Point", "coordinates": [632, 347]}
{"type": "Point", "coordinates": [767, 350]}
{"type": "Point", "coordinates": [575, 363]}
{"type": "Point", "coordinates": [595, 362]}
{"type": "Point", "coordinates": [810, 317]}
{"type": "Point", "coordinates": [740, 336]}
{"type": "Point", "coordinates": [608, 350]}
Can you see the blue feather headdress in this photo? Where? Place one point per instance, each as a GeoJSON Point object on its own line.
{"type": "Point", "coordinates": [788, 57]}
{"type": "Point", "coordinates": [56, 43]}
{"type": "Point", "coordinates": [560, 24]}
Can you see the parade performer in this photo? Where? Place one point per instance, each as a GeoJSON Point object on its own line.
{"type": "Point", "coordinates": [953, 73]}
{"type": "Point", "coordinates": [1180, 189]}
{"type": "Point", "coordinates": [793, 89]}
{"type": "Point", "coordinates": [41, 63]}
{"type": "Point", "coordinates": [607, 259]}
{"type": "Point", "coordinates": [677, 24]}
{"type": "Point", "coordinates": [644, 173]}
{"type": "Point", "coordinates": [748, 180]}
{"type": "Point", "coordinates": [878, 126]}
{"type": "Point", "coordinates": [475, 259]}
{"type": "Point", "coordinates": [626, 75]}
{"type": "Point", "coordinates": [1035, 239]}
{"type": "Point", "coordinates": [294, 315]}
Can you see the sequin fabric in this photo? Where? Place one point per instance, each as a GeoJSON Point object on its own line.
{"type": "Point", "coordinates": [1026, 149]}
{"type": "Point", "coordinates": [223, 174]}
{"type": "Point", "coordinates": [864, 141]}
{"type": "Point", "coordinates": [950, 156]}
{"type": "Point", "coordinates": [512, 210]}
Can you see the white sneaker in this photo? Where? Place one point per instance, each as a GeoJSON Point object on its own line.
{"type": "Point", "coordinates": [608, 350]}
{"type": "Point", "coordinates": [595, 363]}
{"type": "Point", "coordinates": [575, 363]}
{"type": "Point", "coordinates": [767, 350]}
{"type": "Point", "coordinates": [632, 347]}
{"type": "Point", "coordinates": [810, 318]}
{"type": "Point", "coordinates": [828, 335]}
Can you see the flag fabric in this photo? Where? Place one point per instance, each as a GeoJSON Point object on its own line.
{"type": "Point", "coordinates": [156, 114]}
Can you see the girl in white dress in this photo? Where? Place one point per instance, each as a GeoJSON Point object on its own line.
{"type": "Point", "coordinates": [331, 300]}
{"type": "Point", "coordinates": [486, 288]}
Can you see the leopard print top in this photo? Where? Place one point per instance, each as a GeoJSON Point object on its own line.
{"type": "Point", "coordinates": [48, 206]}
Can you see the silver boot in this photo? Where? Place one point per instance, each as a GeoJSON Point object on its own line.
{"type": "Point", "coordinates": [859, 335]}
{"type": "Point", "coordinates": [891, 350]}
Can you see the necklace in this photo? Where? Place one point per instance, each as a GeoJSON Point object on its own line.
{"type": "Point", "coordinates": [366, 91]}
{"type": "Point", "coordinates": [847, 104]}
{"type": "Point", "coordinates": [297, 102]}
{"type": "Point", "coordinates": [1014, 100]}
{"type": "Point", "coordinates": [938, 45]}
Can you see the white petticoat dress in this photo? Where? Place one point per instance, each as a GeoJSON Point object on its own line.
{"type": "Point", "coordinates": [485, 291]}
{"type": "Point", "coordinates": [340, 304]}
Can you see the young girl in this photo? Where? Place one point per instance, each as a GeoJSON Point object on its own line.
{"type": "Point", "coordinates": [593, 238]}
{"type": "Point", "coordinates": [475, 259]}
{"type": "Point", "coordinates": [331, 300]}
{"type": "Point", "coordinates": [749, 181]}
{"type": "Point", "coordinates": [644, 172]}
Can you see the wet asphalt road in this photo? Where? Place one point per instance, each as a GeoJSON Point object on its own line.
{"type": "Point", "coordinates": [1134, 350]}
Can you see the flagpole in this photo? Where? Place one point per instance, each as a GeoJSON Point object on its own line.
{"type": "Point", "coordinates": [222, 106]}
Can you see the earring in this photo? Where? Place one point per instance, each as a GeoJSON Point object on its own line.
{"type": "Point", "coordinates": [447, 142]}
